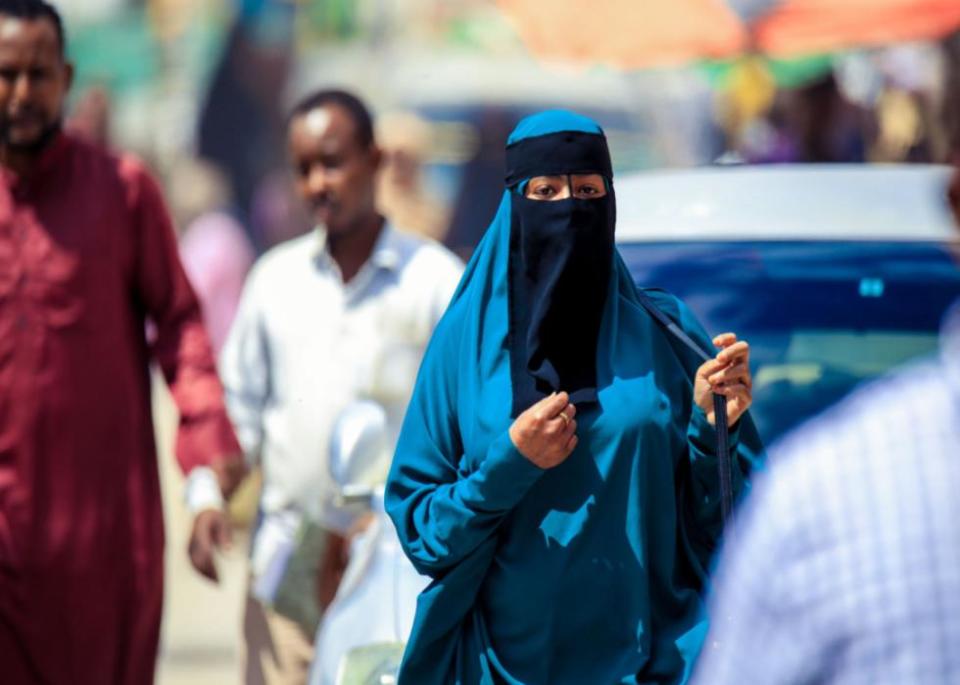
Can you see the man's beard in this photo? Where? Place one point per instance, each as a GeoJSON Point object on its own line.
{"type": "Point", "coordinates": [33, 147]}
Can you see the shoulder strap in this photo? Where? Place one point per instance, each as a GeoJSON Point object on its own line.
{"type": "Point", "coordinates": [719, 403]}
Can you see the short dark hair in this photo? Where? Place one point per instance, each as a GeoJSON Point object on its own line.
{"type": "Point", "coordinates": [33, 10]}
{"type": "Point", "coordinates": [348, 101]}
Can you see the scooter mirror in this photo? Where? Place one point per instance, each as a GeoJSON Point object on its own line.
{"type": "Point", "coordinates": [358, 449]}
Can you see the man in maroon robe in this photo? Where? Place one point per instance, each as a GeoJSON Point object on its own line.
{"type": "Point", "coordinates": [87, 257]}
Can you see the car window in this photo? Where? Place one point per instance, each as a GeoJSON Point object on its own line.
{"type": "Point", "coordinates": [821, 318]}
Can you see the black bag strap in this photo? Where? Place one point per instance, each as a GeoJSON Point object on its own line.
{"type": "Point", "coordinates": [719, 404]}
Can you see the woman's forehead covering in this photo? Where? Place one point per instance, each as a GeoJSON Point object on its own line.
{"type": "Point", "coordinates": [552, 121]}
{"type": "Point", "coordinates": [556, 142]}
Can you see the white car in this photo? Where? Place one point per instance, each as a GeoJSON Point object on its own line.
{"type": "Point", "coordinates": [834, 274]}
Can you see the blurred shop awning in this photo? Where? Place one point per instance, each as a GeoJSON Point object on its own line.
{"type": "Point", "coordinates": [794, 27]}
{"type": "Point", "coordinates": [632, 34]}
{"type": "Point", "coordinates": [626, 33]}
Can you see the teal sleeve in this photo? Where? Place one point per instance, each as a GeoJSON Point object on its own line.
{"type": "Point", "coordinates": [443, 512]}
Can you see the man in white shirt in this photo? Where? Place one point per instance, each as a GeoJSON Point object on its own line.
{"type": "Point", "coordinates": [340, 314]}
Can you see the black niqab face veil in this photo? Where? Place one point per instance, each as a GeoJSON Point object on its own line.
{"type": "Point", "coordinates": [561, 258]}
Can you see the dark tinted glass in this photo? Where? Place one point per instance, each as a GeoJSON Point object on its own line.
{"type": "Point", "coordinates": [820, 317]}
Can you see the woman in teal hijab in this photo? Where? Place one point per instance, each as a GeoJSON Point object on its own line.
{"type": "Point", "coordinates": [556, 474]}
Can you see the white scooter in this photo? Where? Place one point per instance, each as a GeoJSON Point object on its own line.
{"type": "Point", "coordinates": [361, 638]}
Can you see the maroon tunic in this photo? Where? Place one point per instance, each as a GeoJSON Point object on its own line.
{"type": "Point", "coordinates": [87, 257]}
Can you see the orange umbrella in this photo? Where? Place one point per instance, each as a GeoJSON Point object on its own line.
{"type": "Point", "coordinates": [796, 27]}
{"type": "Point", "coordinates": [627, 33]}
{"type": "Point", "coordinates": [634, 34]}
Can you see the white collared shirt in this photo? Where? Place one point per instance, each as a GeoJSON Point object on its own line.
{"type": "Point", "coordinates": [304, 345]}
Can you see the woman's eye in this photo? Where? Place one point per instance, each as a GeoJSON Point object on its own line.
{"type": "Point", "coordinates": [590, 188]}
{"type": "Point", "coordinates": [543, 191]}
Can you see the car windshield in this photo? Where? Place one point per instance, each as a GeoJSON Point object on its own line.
{"type": "Point", "coordinates": [821, 317]}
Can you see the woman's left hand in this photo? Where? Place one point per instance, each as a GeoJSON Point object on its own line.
{"type": "Point", "coordinates": [726, 374]}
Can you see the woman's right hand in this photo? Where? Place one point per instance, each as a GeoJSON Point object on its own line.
{"type": "Point", "coordinates": [546, 432]}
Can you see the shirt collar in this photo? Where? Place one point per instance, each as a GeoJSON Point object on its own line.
{"type": "Point", "coordinates": [386, 252]}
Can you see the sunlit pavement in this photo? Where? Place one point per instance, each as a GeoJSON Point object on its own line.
{"type": "Point", "coordinates": [201, 621]}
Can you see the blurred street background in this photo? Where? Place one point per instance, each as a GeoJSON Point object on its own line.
{"type": "Point", "coordinates": [674, 84]}
{"type": "Point", "coordinates": [200, 88]}
{"type": "Point", "coordinates": [201, 631]}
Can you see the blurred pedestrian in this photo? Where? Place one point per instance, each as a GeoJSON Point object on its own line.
{"type": "Point", "coordinates": [557, 472]}
{"type": "Point", "coordinates": [214, 248]}
{"type": "Point", "coordinates": [846, 568]}
{"type": "Point", "coordinates": [87, 257]}
{"type": "Point", "coordinates": [245, 93]}
{"type": "Point", "coordinates": [339, 314]}
{"type": "Point", "coordinates": [826, 126]}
